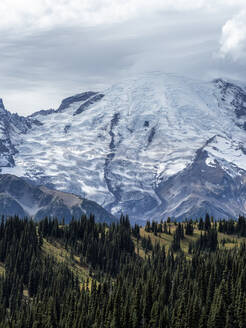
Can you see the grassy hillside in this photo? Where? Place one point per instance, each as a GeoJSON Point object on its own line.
{"type": "Point", "coordinates": [62, 255]}
{"type": "Point", "coordinates": [87, 274]}
{"type": "Point", "coordinates": [165, 239]}
{"type": "Point", "coordinates": [84, 273]}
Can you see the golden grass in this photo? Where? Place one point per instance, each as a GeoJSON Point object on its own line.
{"type": "Point", "coordinates": [2, 269]}
{"type": "Point", "coordinates": [166, 240]}
{"type": "Point", "coordinates": [58, 251]}
{"type": "Point", "coordinates": [138, 248]}
{"type": "Point", "coordinates": [62, 255]}
{"type": "Point", "coordinates": [25, 293]}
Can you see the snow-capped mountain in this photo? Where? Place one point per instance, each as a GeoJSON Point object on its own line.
{"type": "Point", "coordinates": [11, 126]}
{"type": "Point", "coordinates": [152, 146]}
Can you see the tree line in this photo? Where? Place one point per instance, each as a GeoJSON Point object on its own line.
{"type": "Point", "coordinates": [162, 289]}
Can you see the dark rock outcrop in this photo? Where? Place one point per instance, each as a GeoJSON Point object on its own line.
{"type": "Point", "coordinates": [79, 97]}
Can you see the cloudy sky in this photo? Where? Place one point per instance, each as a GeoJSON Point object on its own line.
{"type": "Point", "coordinates": [51, 49]}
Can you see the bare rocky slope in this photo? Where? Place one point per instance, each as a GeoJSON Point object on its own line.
{"type": "Point", "coordinates": [19, 197]}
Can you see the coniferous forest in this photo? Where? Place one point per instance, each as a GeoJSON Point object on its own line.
{"type": "Point", "coordinates": [88, 274]}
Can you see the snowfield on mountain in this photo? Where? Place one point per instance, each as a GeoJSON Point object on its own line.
{"type": "Point", "coordinates": [154, 145]}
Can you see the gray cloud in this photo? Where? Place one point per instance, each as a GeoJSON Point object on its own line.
{"type": "Point", "coordinates": [233, 39]}
{"type": "Point", "coordinates": [40, 66]}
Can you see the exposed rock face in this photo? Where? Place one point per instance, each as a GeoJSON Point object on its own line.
{"type": "Point", "coordinates": [233, 95]}
{"type": "Point", "coordinates": [43, 112]}
{"type": "Point", "coordinates": [152, 146]}
{"type": "Point", "coordinates": [20, 197]}
{"type": "Point", "coordinates": [11, 126]}
{"type": "Point", "coordinates": [74, 99]}
{"type": "Point", "coordinates": [202, 188]}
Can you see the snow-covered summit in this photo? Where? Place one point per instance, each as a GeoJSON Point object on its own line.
{"type": "Point", "coordinates": [124, 146]}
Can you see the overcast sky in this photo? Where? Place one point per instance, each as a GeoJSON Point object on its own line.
{"type": "Point", "coordinates": [51, 49]}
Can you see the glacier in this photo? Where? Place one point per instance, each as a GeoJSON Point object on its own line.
{"type": "Point", "coordinates": [152, 146]}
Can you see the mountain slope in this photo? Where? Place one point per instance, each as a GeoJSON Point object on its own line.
{"type": "Point", "coordinates": [11, 126]}
{"type": "Point", "coordinates": [135, 147]}
{"type": "Point", "coordinates": [19, 197]}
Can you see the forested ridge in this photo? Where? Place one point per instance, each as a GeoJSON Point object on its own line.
{"type": "Point", "coordinates": [88, 274]}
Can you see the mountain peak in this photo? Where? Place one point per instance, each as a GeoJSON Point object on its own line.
{"type": "Point", "coordinates": [1, 104]}
{"type": "Point", "coordinates": [146, 146]}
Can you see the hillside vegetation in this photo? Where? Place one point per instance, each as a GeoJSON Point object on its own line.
{"type": "Point", "coordinates": [225, 240]}
{"type": "Point", "coordinates": [88, 274]}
